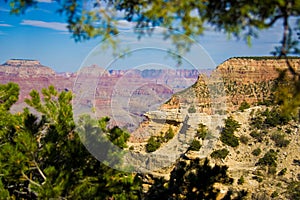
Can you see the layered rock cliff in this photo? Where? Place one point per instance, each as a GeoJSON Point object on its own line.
{"type": "Point", "coordinates": [31, 74]}
{"type": "Point", "coordinates": [25, 68]}
{"type": "Point", "coordinates": [237, 80]}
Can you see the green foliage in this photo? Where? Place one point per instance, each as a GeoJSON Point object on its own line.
{"type": "Point", "coordinates": [269, 118]}
{"type": "Point", "coordinates": [169, 134]}
{"type": "Point", "coordinates": [191, 180]}
{"type": "Point", "coordinates": [269, 159]}
{"type": "Point", "coordinates": [8, 95]}
{"type": "Point", "coordinates": [195, 145]}
{"type": "Point", "coordinates": [244, 105]}
{"type": "Point", "coordinates": [287, 94]}
{"type": "Point", "coordinates": [256, 152]}
{"type": "Point", "coordinates": [282, 172]}
{"type": "Point", "coordinates": [241, 180]}
{"type": "Point", "coordinates": [44, 157]}
{"type": "Point", "coordinates": [274, 194]}
{"type": "Point", "coordinates": [258, 178]}
{"type": "Point", "coordinates": [192, 109]}
{"type": "Point", "coordinates": [272, 170]}
{"type": "Point", "coordinates": [227, 134]}
{"type": "Point", "coordinates": [118, 137]}
{"type": "Point", "coordinates": [257, 135]}
{"type": "Point", "coordinates": [4, 193]}
{"type": "Point", "coordinates": [153, 144]}
{"type": "Point", "coordinates": [244, 139]}
{"type": "Point", "coordinates": [202, 131]}
{"type": "Point", "coordinates": [280, 140]}
{"type": "Point", "coordinates": [220, 154]}
{"type": "Point", "coordinates": [275, 117]}
{"type": "Point", "coordinates": [257, 122]}
{"type": "Point", "coordinates": [293, 190]}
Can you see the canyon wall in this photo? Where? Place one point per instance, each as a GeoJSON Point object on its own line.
{"type": "Point", "coordinates": [234, 81]}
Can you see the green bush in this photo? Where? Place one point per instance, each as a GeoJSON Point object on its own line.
{"type": "Point", "coordinates": [244, 105]}
{"type": "Point", "coordinates": [241, 180]}
{"type": "Point", "coordinates": [282, 172]}
{"type": "Point", "coordinates": [274, 194]}
{"type": "Point", "coordinates": [221, 153]}
{"type": "Point", "coordinates": [269, 159]}
{"type": "Point", "coordinates": [257, 136]}
{"type": "Point", "coordinates": [275, 117]}
{"type": "Point", "coordinates": [202, 131]}
{"type": "Point", "coordinates": [272, 170]}
{"type": "Point", "coordinates": [258, 178]}
{"type": "Point", "coordinates": [293, 190]}
{"type": "Point", "coordinates": [227, 134]}
{"type": "Point", "coordinates": [257, 122]}
{"type": "Point", "coordinates": [256, 152]}
{"type": "Point", "coordinates": [279, 140]}
{"type": "Point", "coordinates": [195, 145]}
{"type": "Point", "coordinates": [244, 139]}
{"type": "Point", "coordinates": [169, 134]}
{"type": "Point", "coordinates": [153, 144]}
{"type": "Point", "coordinates": [192, 109]}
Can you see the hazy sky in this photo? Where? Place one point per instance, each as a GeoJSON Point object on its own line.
{"type": "Point", "coordinates": [41, 34]}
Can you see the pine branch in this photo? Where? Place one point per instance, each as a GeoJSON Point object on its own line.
{"type": "Point", "coordinates": [40, 171]}
{"type": "Point", "coordinates": [31, 181]}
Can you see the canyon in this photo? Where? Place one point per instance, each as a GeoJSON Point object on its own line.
{"type": "Point", "coordinates": [150, 102]}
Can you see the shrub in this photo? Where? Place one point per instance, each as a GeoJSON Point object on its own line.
{"type": "Point", "coordinates": [279, 140]}
{"type": "Point", "coordinates": [258, 178]}
{"type": "Point", "coordinates": [269, 159]}
{"type": "Point", "coordinates": [256, 152]}
{"type": "Point", "coordinates": [293, 190]}
{"type": "Point", "coordinates": [227, 134]}
{"type": "Point", "coordinates": [192, 109]}
{"type": "Point", "coordinates": [230, 140]}
{"type": "Point", "coordinates": [221, 153]}
{"type": "Point", "coordinates": [131, 148]}
{"type": "Point", "coordinates": [272, 170]}
{"type": "Point", "coordinates": [257, 122]}
{"type": "Point", "coordinates": [288, 131]}
{"type": "Point", "coordinates": [153, 144]}
{"type": "Point", "coordinates": [282, 172]}
{"type": "Point", "coordinates": [244, 139]}
{"type": "Point", "coordinates": [195, 145]}
{"type": "Point", "coordinates": [296, 162]}
{"type": "Point", "coordinates": [202, 131]}
{"type": "Point", "coordinates": [257, 135]}
{"type": "Point", "coordinates": [275, 117]}
{"type": "Point", "coordinates": [241, 180]}
{"type": "Point", "coordinates": [274, 194]}
{"type": "Point", "coordinates": [169, 134]}
{"type": "Point", "coordinates": [244, 105]}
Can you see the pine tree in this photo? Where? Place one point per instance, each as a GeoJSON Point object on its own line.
{"type": "Point", "coordinates": [43, 157]}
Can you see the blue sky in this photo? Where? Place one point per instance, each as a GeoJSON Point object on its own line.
{"type": "Point", "coordinates": [41, 34]}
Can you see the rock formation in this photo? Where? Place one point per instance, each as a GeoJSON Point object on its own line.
{"type": "Point", "coordinates": [25, 68]}
{"type": "Point", "coordinates": [31, 74]}
{"type": "Point", "coordinates": [237, 80]}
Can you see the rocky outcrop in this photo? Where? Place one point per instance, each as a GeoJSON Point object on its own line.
{"type": "Point", "coordinates": [31, 74]}
{"type": "Point", "coordinates": [234, 81]}
{"type": "Point", "coordinates": [256, 69]}
{"type": "Point", "coordinates": [25, 68]}
{"type": "Point", "coordinates": [252, 79]}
